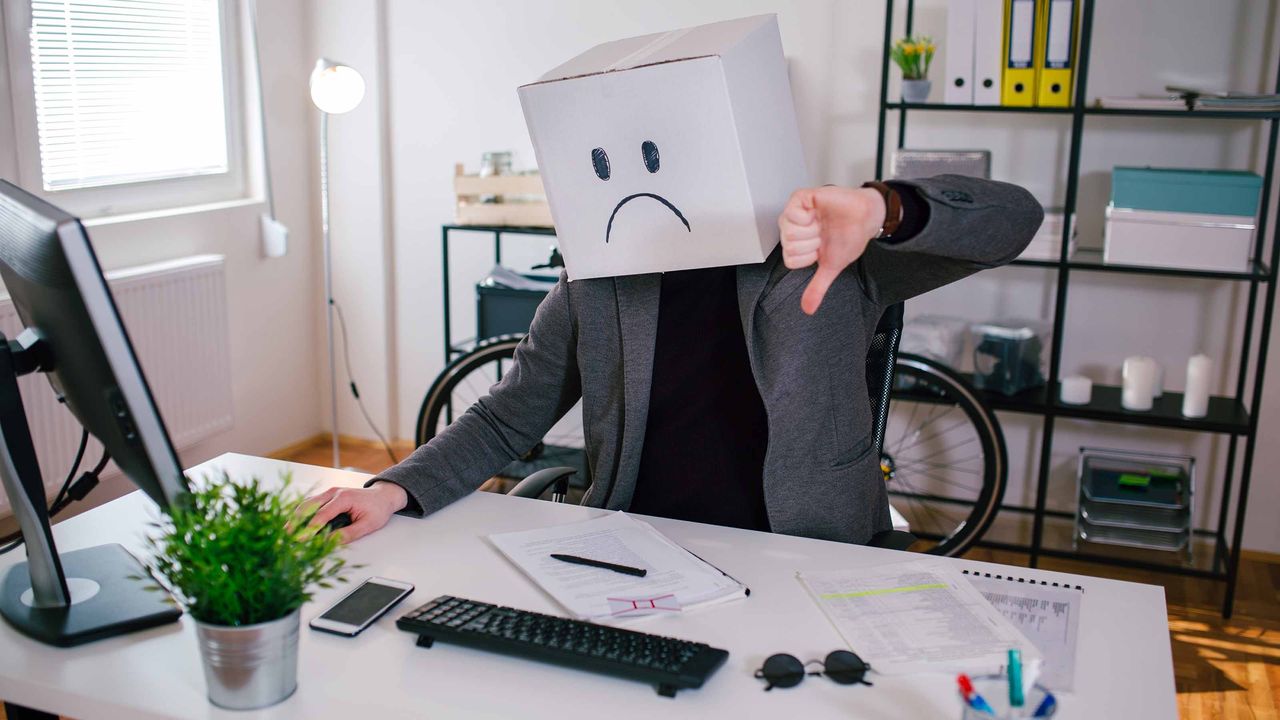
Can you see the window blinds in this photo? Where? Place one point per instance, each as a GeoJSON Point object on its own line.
{"type": "Point", "coordinates": [127, 90]}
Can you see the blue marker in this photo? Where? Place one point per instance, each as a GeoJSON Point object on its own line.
{"type": "Point", "coordinates": [1047, 706]}
{"type": "Point", "coordinates": [1015, 678]}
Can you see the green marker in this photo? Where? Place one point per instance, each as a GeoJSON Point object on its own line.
{"type": "Point", "coordinates": [1015, 678]}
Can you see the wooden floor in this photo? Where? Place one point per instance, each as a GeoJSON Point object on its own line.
{"type": "Point", "coordinates": [1223, 668]}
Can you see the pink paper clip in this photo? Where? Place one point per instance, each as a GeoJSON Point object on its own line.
{"type": "Point", "coordinates": [643, 606]}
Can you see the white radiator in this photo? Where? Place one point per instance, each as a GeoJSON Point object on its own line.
{"type": "Point", "coordinates": [176, 315]}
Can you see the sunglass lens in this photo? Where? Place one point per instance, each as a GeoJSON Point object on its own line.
{"type": "Point", "coordinates": [844, 667]}
{"type": "Point", "coordinates": [782, 671]}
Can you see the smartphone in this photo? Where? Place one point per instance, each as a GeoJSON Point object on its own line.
{"type": "Point", "coordinates": [357, 610]}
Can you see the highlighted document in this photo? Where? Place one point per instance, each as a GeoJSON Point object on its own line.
{"type": "Point", "coordinates": [917, 617]}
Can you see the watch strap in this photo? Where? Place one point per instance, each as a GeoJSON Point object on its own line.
{"type": "Point", "coordinates": [892, 208]}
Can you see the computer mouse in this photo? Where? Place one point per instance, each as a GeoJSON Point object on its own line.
{"type": "Point", "coordinates": [338, 522]}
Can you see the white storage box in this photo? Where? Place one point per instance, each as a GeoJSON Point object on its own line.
{"type": "Point", "coordinates": [670, 151]}
{"type": "Point", "coordinates": [1193, 241]}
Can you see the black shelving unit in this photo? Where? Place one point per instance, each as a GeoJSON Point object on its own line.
{"type": "Point", "coordinates": [451, 348]}
{"type": "Point", "coordinates": [1235, 416]}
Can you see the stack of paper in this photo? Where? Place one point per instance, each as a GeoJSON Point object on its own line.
{"type": "Point", "coordinates": [1228, 99]}
{"type": "Point", "coordinates": [676, 580]}
{"type": "Point", "coordinates": [1262, 103]}
{"type": "Point", "coordinates": [918, 617]}
{"type": "Point", "coordinates": [505, 277]}
{"type": "Point", "coordinates": [1180, 98]}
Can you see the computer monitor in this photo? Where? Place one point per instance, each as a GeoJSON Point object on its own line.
{"type": "Point", "coordinates": [74, 335]}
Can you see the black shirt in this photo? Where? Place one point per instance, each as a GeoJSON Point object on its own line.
{"type": "Point", "coordinates": [706, 434]}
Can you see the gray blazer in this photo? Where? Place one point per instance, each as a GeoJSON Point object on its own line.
{"type": "Point", "coordinates": [593, 340]}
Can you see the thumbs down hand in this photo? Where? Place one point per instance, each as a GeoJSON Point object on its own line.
{"type": "Point", "coordinates": [830, 226]}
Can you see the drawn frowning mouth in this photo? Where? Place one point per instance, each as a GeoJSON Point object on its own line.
{"type": "Point", "coordinates": [609, 230]}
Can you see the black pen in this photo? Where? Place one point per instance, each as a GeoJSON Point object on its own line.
{"type": "Point", "coordinates": [624, 569]}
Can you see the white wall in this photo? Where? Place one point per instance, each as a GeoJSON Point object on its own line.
{"type": "Point", "coordinates": [274, 304]}
{"type": "Point", "coordinates": [452, 69]}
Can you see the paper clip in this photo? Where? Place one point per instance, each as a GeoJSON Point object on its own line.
{"type": "Point", "coordinates": [643, 606]}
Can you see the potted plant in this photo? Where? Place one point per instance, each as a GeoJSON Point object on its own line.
{"type": "Point", "coordinates": [239, 557]}
{"type": "Point", "coordinates": [913, 55]}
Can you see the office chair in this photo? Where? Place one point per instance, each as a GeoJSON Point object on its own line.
{"type": "Point", "coordinates": [882, 354]}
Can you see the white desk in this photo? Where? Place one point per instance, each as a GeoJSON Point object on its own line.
{"type": "Point", "coordinates": [1125, 668]}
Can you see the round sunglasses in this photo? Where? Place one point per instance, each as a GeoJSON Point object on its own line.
{"type": "Point", "coordinates": [784, 671]}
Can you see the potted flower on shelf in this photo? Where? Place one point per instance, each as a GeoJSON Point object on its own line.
{"type": "Point", "coordinates": [913, 55]}
{"type": "Point", "coordinates": [239, 557]}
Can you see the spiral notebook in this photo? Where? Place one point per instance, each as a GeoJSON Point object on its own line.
{"type": "Point", "coordinates": [1048, 613]}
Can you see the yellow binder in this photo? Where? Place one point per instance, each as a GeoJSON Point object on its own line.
{"type": "Point", "coordinates": [1056, 57]}
{"type": "Point", "coordinates": [1019, 77]}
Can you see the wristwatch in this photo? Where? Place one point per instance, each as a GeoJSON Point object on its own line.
{"type": "Point", "coordinates": [892, 209]}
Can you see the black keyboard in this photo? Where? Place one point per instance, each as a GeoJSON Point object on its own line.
{"type": "Point", "coordinates": [668, 663]}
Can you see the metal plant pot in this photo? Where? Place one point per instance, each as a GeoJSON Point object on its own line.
{"type": "Point", "coordinates": [916, 91]}
{"type": "Point", "coordinates": [251, 666]}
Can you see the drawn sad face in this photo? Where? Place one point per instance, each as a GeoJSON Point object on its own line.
{"type": "Point", "coordinates": [652, 162]}
{"type": "Point", "coordinates": [644, 170]}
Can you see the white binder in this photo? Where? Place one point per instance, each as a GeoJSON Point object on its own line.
{"type": "Point", "coordinates": [988, 51]}
{"type": "Point", "coordinates": [960, 28]}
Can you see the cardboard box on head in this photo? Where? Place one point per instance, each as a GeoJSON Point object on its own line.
{"type": "Point", "coordinates": [668, 152]}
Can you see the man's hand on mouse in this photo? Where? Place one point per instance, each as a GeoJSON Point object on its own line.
{"type": "Point", "coordinates": [370, 508]}
{"type": "Point", "coordinates": [830, 226]}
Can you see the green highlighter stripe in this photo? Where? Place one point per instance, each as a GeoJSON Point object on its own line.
{"type": "Point", "coordinates": [883, 591]}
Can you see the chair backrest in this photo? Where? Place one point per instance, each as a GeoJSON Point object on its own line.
{"type": "Point", "coordinates": [881, 356]}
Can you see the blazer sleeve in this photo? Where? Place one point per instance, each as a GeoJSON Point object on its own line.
{"type": "Point", "coordinates": [973, 225]}
{"type": "Point", "coordinates": [541, 385]}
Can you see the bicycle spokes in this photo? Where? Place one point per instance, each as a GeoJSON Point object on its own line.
{"type": "Point", "coordinates": [943, 458]}
{"type": "Point", "coordinates": [468, 379]}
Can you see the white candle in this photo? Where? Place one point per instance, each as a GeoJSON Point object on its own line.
{"type": "Point", "coordinates": [1076, 390]}
{"type": "Point", "coordinates": [1139, 379]}
{"type": "Point", "coordinates": [1158, 389]}
{"type": "Point", "coordinates": [1195, 402]}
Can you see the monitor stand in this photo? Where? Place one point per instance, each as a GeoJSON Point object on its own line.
{"type": "Point", "coordinates": [80, 595]}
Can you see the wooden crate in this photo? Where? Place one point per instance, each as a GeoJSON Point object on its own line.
{"type": "Point", "coordinates": [524, 202]}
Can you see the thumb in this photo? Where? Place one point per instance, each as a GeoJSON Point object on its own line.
{"type": "Point", "coordinates": [818, 286]}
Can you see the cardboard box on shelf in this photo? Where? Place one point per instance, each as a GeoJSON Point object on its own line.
{"type": "Point", "coordinates": [670, 151]}
{"type": "Point", "coordinates": [515, 200]}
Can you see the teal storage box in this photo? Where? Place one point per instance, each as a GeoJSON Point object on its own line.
{"type": "Point", "coordinates": [1181, 190]}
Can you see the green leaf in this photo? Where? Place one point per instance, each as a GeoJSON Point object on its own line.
{"type": "Point", "coordinates": [232, 553]}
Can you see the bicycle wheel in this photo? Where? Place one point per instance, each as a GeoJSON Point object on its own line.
{"type": "Point", "coordinates": [944, 457]}
{"type": "Point", "coordinates": [467, 379]}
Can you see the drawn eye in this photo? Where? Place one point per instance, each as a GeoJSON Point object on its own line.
{"type": "Point", "coordinates": [650, 151]}
{"type": "Point", "coordinates": [600, 160]}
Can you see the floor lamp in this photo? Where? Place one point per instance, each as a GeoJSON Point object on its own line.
{"type": "Point", "coordinates": [335, 89]}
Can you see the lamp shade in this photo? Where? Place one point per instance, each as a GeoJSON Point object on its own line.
{"type": "Point", "coordinates": [336, 88]}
